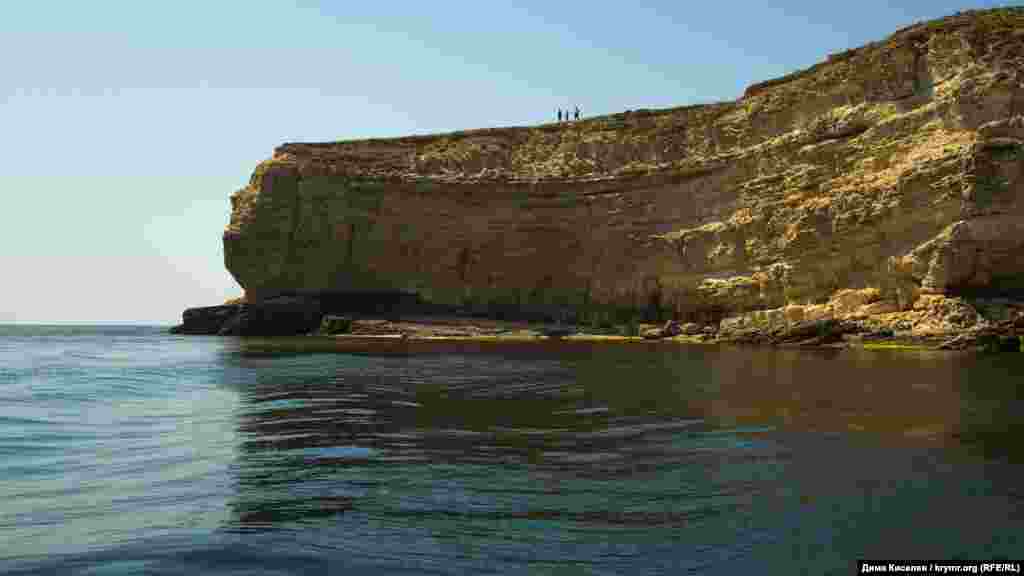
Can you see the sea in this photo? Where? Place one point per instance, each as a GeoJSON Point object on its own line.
{"type": "Point", "coordinates": [126, 450]}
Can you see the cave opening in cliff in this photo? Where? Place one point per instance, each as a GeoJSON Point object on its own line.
{"type": "Point", "coordinates": [368, 302]}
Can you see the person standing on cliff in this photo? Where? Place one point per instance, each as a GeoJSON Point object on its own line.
{"type": "Point", "coordinates": [559, 114]}
{"type": "Point", "coordinates": [577, 113]}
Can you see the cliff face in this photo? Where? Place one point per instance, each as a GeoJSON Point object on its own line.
{"type": "Point", "coordinates": [896, 166]}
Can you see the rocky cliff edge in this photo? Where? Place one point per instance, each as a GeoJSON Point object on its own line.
{"type": "Point", "coordinates": [883, 183]}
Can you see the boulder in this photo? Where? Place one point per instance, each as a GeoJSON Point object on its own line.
{"type": "Point", "coordinates": [878, 308]}
{"type": "Point", "coordinates": [691, 329]}
{"type": "Point", "coordinates": [280, 316]}
{"type": "Point", "coordinates": [205, 320]}
{"type": "Point", "coordinates": [744, 336]}
{"type": "Point", "coordinates": [959, 342]}
{"type": "Point", "coordinates": [845, 302]}
{"type": "Point", "coordinates": [812, 333]}
{"type": "Point", "coordinates": [991, 339]}
{"type": "Point", "coordinates": [331, 325]}
{"type": "Point", "coordinates": [670, 329]}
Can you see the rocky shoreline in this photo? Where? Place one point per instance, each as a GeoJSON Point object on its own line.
{"type": "Point", "coordinates": [854, 318]}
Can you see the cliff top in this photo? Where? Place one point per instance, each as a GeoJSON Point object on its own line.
{"type": "Point", "coordinates": [980, 29]}
{"type": "Point", "coordinates": [949, 57]}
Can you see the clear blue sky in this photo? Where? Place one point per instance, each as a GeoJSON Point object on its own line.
{"type": "Point", "coordinates": [124, 126]}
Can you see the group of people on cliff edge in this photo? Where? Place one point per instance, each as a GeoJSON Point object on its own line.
{"type": "Point", "coordinates": [564, 114]}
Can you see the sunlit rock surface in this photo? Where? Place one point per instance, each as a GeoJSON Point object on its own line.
{"type": "Point", "coordinates": [894, 169]}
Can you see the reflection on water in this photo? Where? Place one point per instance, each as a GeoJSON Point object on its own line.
{"type": "Point", "coordinates": [129, 451]}
{"type": "Point", "coordinates": [676, 457]}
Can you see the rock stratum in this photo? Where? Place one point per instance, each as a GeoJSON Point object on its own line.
{"type": "Point", "coordinates": [883, 183]}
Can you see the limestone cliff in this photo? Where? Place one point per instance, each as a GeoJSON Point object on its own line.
{"type": "Point", "coordinates": [894, 167]}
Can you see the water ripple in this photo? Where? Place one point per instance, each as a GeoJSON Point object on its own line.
{"type": "Point", "coordinates": [131, 451]}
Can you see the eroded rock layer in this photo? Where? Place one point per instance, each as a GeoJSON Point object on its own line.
{"type": "Point", "coordinates": [894, 167]}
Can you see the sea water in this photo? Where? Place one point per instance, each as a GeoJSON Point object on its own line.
{"type": "Point", "coordinates": [125, 450]}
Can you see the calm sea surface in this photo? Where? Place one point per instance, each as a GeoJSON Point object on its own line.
{"type": "Point", "coordinates": [129, 451]}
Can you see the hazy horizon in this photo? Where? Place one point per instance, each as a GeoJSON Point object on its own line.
{"type": "Point", "coordinates": [127, 126]}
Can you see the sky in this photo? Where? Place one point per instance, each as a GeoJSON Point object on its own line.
{"type": "Point", "coordinates": [125, 126]}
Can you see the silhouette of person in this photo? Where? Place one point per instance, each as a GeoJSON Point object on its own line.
{"type": "Point", "coordinates": [559, 114]}
{"type": "Point", "coordinates": [577, 112]}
